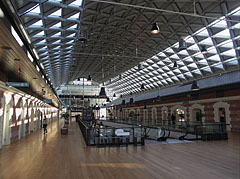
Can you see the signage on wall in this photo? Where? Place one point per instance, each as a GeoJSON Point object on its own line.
{"type": "Point", "coordinates": [185, 102]}
{"type": "Point", "coordinates": [17, 84]}
{"type": "Point", "coordinates": [48, 101]}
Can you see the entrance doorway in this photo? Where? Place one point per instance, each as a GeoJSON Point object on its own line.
{"type": "Point", "coordinates": [222, 115]}
{"type": "Point", "coordinates": [180, 116]}
{"type": "Point", "coordinates": [197, 115]}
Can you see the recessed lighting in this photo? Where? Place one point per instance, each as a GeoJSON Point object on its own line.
{"type": "Point", "coordinates": [6, 47]}
{"type": "Point", "coordinates": [17, 59]}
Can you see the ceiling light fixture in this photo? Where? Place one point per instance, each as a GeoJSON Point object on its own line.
{"type": "Point", "coordinates": [114, 95]}
{"type": "Point", "coordinates": [155, 29]}
{"type": "Point", "coordinates": [204, 50]}
{"type": "Point", "coordinates": [175, 65]}
{"type": "Point", "coordinates": [89, 78]}
{"type": "Point", "coordinates": [142, 87]}
{"type": "Point", "coordinates": [102, 92]}
{"type": "Point", "coordinates": [195, 86]}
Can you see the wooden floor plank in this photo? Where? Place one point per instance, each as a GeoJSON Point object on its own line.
{"type": "Point", "coordinates": [66, 157]}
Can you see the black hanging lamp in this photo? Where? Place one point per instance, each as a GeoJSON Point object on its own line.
{"type": "Point", "coordinates": [114, 95]}
{"type": "Point", "coordinates": [142, 87]}
{"type": "Point", "coordinates": [89, 78]}
{"type": "Point", "coordinates": [204, 50]}
{"type": "Point", "coordinates": [155, 29]}
{"type": "Point", "coordinates": [102, 92]}
{"type": "Point", "coordinates": [145, 106]}
{"type": "Point", "coordinates": [175, 66]}
{"type": "Point", "coordinates": [194, 86]}
{"type": "Point", "coordinates": [131, 101]}
{"type": "Point", "coordinates": [108, 100]}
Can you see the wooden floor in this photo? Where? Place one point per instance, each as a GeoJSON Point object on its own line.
{"type": "Point", "coordinates": [67, 157]}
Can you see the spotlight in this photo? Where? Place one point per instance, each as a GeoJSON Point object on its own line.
{"type": "Point", "coordinates": [195, 86]}
{"type": "Point", "coordinates": [155, 29]}
{"type": "Point", "coordinates": [204, 50]}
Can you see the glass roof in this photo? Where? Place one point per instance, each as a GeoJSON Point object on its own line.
{"type": "Point", "coordinates": [158, 70]}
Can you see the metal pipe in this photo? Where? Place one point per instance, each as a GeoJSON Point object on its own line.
{"type": "Point", "coordinates": [161, 10]}
{"type": "Point", "coordinates": [106, 55]}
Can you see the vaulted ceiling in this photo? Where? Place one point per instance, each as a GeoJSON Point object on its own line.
{"type": "Point", "coordinates": [108, 38]}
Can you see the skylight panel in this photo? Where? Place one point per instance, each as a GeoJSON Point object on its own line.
{"type": "Point", "coordinates": [194, 47]}
{"type": "Point", "coordinates": [174, 56]}
{"type": "Point", "coordinates": [214, 58]}
{"type": "Point", "coordinates": [207, 41]}
{"type": "Point", "coordinates": [160, 63]}
{"type": "Point", "coordinates": [169, 50]}
{"type": "Point", "coordinates": [220, 24]}
{"type": "Point", "coordinates": [183, 52]}
{"type": "Point", "coordinates": [232, 61]}
{"type": "Point", "coordinates": [57, 13]}
{"type": "Point", "coordinates": [197, 72]}
{"type": "Point", "coordinates": [229, 53]}
{"type": "Point", "coordinates": [207, 69]}
{"type": "Point", "coordinates": [161, 54]}
{"type": "Point", "coordinates": [41, 42]}
{"type": "Point", "coordinates": [212, 50]}
{"type": "Point", "coordinates": [223, 34]}
{"type": "Point", "coordinates": [38, 23]}
{"type": "Point", "coordinates": [58, 41]}
{"type": "Point", "coordinates": [184, 68]}
{"type": "Point", "coordinates": [190, 40]}
{"type": "Point", "coordinates": [188, 59]}
{"type": "Point", "coordinates": [15, 35]}
{"type": "Point", "coordinates": [175, 78]}
{"type": "Point", "coordinates": [57, 25]}
{"type": "Point", "coordinates": [199, 55]}
{"type": "Point", "coordinates": [202, 32]}
{"type": "Point", "coordinates": [236, 26]}
{"type": "Point", "coordinates": [40, 33]}
{"type": "Point", "coordinates": [203, 62]}
{"type": "Point", "coordinates": [188, 74]}
{"type": "Point", "coordinates": [77, 3]}
{"type": "Point", "coordinates": [181, 76]}
{"type": "Point", "coordinates": [236, 12]}
{"type": "Point", "coordinates": [155, 66]}
{"type": "Point", "coordinates": [192, 65]}
{"type": "Point", "coordinates": [219, 65]}
{"type": "Point", "coordinates": [36, 9]}
{"type": "Point", "coordinates": [73, 26]}
{"type": "Point", "coordinates": [75, 16]}
{"type": "Point", "coordinates": [227, 44]}
{"type": "Point", "coordinates": [167, 60]}
{"type": "Point", "coordinates": [57, 34]}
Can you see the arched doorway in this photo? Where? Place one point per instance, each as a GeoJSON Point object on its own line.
{"type": "Point", "coordinates": [222, 113]}
{"type": "Point", "coordinates": [180, 113]}
{"type": "Point", "coordinates": [197, 113]}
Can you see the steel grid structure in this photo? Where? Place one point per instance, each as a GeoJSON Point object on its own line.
{"type": "Point", "coordinates": [119, 38]}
